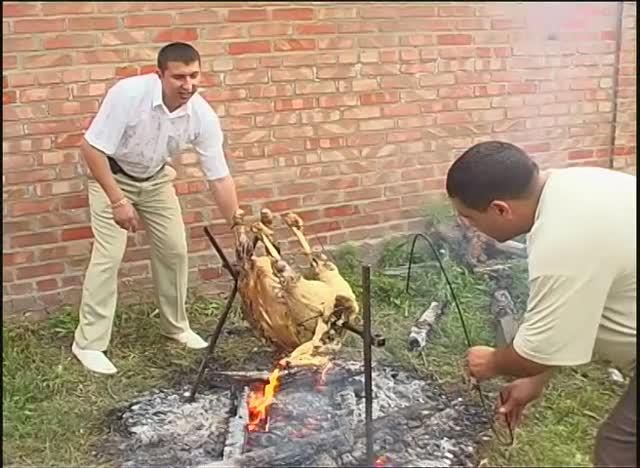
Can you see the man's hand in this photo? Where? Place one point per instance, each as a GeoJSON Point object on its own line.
{"type": "Point", "coordinates": [480, 362]}
{"type": "Point", "coordinates": [517, 395]}
{"type": "Point", "coordinates": [126, 217]}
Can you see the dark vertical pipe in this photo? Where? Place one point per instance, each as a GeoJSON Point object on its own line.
{"type": "Point", "coordinates": [368, 389]}
{"type": "Point", "coordinates": [616, 78]}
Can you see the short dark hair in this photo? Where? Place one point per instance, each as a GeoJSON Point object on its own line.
{"type": "Point", "coordinates": [490, 171]}
{"type": "Point", "coordinates": [177, 52]}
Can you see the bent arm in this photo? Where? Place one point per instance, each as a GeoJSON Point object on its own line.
{"type": "Point", "coordinates": [99, 168]}
{"type": "Point", "coordinates": [225, 195]}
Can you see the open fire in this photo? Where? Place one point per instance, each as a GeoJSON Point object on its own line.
{"type": "Point", "coordinates": [259, 401]}
{"type": "Point", "coordinates": [292, 421]}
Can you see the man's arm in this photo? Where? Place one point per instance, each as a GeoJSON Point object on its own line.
{"type": "Point", "coordinates": [99, 168]}
{"type": "Point", "coordinates": [508, 362]}
{"type": "Point", "coordinates": [225, 195]}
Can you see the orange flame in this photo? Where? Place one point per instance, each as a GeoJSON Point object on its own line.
{"type": "Point", "coordinates": [259, 401]}
{"type": "Point", "coordinates": [380, 462]}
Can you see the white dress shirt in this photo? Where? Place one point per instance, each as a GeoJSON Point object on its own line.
{"type": "Point", "coordinates": [134, 127]}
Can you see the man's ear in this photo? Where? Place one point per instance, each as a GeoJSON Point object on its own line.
{"type": "Point", "coordinates": [501, 208]}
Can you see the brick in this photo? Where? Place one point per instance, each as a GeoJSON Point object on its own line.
{"type": "Point", "coordinates": [338, 72]}
{"type": "Point", "coordinates": [456, 91]}
{"type": "Point", "coordinates": [199, 17]}
{"type": "Point", "coordinates": [73, 108]}
{"type": "Point", "coordinates": [52, 127]}
{"type": "Point", "coordinates": [270, 91]}
{"type": "Point", "coordinates": [68, 41]}
{"type": "Point", "coordinates": [580, 154]}
{"type": "Point", "coordinates": [311, 87]}
{"type": "Point", "coordinates": [456, 11]}
{"type": "Point", "coordinates": [252, 47]}
{"type": "Point", "coordinates": [73, 234]}
{"type": "Point", "coordinates": [362, 113]}
{"type": "Point", "coordinates": [122, 37]}
{"type": "Point", "coordinates": [9, 62]}
{"type": "Point", "coordinates": [46, 269]}
{"type": "Point", "coordinates": [93, 23]}
{"type": "Point", "coordinates": [335, 43]}
{"type": "Point", "coordinates": [17, 258]}
{"type": "Point", "coordinates": [292, 74]}
{"type": "Point", "coordinates": [250, 77]}
{"type": "Point", "coordinates": [474, 103]}
{"type": "Point", "coordinates": [19, 44]}
{"type": "Point", "coordinates": [20, 9]}
{"type": "Point", "coordinates": [338, 100]}
{"type": "Point", "coordinates": [463, 77]}
{"type": "Point", "coordinates": [417, 68]}
{"type": "Point", "coordinates": [247, 15]}
{"type": "Point", "coordinates": [417, 11]}
{"type": "Point", "coordinates": [292, 14]}
{"type": "Point", "coordinates": [453, 118]}
{"type": "Point", "coordinates": [31, 207]}
{"type": "Point", "coordinates": [9, 97]}
{"type": "Point", "coordinates": [50, 60]}
{"type": "Point", "coordinates": [241, 108]}
{"type": "Point", "coordinates": [176, 35]}
{"type": "Point", "coordinates": [371, 11]}
{"type": "Point", "coordinates": [30, 176]}
{"type": "Point", "coordinates": [440, 79]}
{"type": "Point", "coordinates": [288, 45]}
{"type": "Point", "coordinates": [454, 39]}
{"type": "Point", "coordinates": [270, 29]}
{"type": "Point", "coordinates": [337, 128]}
{"type": "Point", "coordinates": [142, 21]}
{"type": "Point", "coordinates": [358, 27]}
{"type": "Point", "coordinates": [398, 82]}
{"type": "Point", "coordinates": [39, 25]}
{"type": "Point", "coordinates": [66, 8]}
{"type": "Point", "coordinates": [313, 29]}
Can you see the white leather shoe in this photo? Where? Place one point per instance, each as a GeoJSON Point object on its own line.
{"type": "Point", "coordinates": [190, 339]}
{"type": "Point", "coordinates": [93, 360]}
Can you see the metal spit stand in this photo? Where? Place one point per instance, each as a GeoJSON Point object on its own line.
{"type": "Point", "coordinates": [366, 338]}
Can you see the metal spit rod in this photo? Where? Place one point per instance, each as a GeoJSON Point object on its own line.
{"type": "Point", "coordinates": [368, 389]}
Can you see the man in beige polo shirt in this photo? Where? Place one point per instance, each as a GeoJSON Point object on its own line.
{"type": "Point", "coordinates": [142, 123]}
{"type": "Point", "coordinates": [581, 226]}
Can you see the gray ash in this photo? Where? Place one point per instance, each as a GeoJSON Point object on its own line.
{"type": "Point", "coordinates": [417, 424]}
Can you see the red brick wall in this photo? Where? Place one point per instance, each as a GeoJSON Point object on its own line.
{"type": "Point", "coordinates": [349, 113]}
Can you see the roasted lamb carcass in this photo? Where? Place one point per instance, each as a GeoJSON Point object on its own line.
{"type": "Point", "coordinates": [301, 317]}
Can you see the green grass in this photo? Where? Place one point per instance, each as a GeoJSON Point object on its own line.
{"type": "Point", "coordinates": [55, 412]}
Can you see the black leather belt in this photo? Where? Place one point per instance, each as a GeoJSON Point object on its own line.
{"type": "Point", "coordinates": [117, 169]}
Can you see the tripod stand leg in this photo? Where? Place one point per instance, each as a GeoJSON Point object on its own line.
{"type": "Point", "coordinates": [213, 341]}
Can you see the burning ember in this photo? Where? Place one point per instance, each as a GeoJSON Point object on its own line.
{"type": "Point", "coordinates": [259, 401]}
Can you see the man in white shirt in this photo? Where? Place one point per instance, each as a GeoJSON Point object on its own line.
{"type": "Point", "coordinates": [142, 123]}
{"type": "Point", "coordinates": [581, 226]}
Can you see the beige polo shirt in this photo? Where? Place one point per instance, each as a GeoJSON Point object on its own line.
{"type": "Point", "coordinates": [582, 271]}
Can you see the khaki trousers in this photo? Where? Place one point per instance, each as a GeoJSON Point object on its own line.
{"type": "Point", "coordinates": [617, 439]}
{"type": "Point", "coordinates": [157, 204]}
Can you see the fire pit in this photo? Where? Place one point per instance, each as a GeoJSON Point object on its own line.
{"type": "Point", "coordinates": [301, 418]}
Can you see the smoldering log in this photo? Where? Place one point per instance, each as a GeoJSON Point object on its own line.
{"type": "Point", "coordinates": [504, 311]}
{"type": "Point", "coordinates": [334, 443]}
{"type": "Point", "coordinates": [419, 333]}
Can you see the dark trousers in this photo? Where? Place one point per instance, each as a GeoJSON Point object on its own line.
{"type": "Point", "coordinates": [616, 441]}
